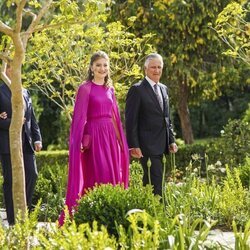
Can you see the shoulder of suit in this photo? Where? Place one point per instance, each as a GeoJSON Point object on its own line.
{"type": "Point", "coordinates": [138, 84]}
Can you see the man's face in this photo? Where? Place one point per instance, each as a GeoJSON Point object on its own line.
{"type": "Point", "coordinates": [154, 70]}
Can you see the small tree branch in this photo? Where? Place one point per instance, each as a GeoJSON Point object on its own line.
{"type": "Point", "coordinates": [35, 21]}
{"type": "Point", "coordinates": [56, 25]}
{"type": "Point", "coordinates": [19, 15]}
{"type": "Point", "coordinates": [5, 58]}
{"type": "Point", "coordinates": [41, 13]}
{"type": "Point", "coordinates": [6, 29]}
{"type": "Point", "coordinates": [30, 13]}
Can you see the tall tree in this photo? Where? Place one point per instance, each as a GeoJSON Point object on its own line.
{"type": "Point", "coordinates": [19, 40]}
{"type": "Point", "coordinates": [191, 49]}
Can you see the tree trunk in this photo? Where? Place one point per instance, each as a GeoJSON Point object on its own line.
{"type": "Point", "coordinates": [183, 112]}
{"type": "Point", "coordinates": [18, 182]}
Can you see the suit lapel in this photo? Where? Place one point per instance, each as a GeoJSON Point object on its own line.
{"type": "Point", "coordinates": [165, 98]}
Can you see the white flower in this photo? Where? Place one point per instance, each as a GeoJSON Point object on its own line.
{"type": "Point", "coordinates": [223, 170]}
{"type": "Point", "coordinates": [218, 163]}
{"type": "Point", "coordinates": [210, 167]}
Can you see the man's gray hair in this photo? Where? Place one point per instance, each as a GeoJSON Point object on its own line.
{"type": "Point", "coordinates": [152, 56]}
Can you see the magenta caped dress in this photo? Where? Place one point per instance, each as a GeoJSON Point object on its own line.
{"type": "Point", "coordinates": [95, 113]}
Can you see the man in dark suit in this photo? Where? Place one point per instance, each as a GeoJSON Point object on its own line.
{"type": "Point", "coordinates": [148, 125]}
{"type": "Point", "coordinates": [31, 140]}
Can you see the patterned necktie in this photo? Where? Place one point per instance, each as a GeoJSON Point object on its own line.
{"type": "Point", "coordinates": [158, 96]}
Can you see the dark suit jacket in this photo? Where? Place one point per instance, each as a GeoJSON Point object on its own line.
{"type": "Point", "coordinates": [147, 126]}
{"type": "Point", "coordinates": [31, 131]}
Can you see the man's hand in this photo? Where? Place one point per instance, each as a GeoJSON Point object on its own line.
{"type": "Point", "coordinates": [136, 153]}
{"type": "Point", "coordinates": [38, 146]}
{"type": "Point", "coordinates": [3, 115]}
{"type": "Point", "coordinates": [173, 148]}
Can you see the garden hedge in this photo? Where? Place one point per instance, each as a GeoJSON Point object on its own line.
{"type": "Point", "coordinates": [51, 158]}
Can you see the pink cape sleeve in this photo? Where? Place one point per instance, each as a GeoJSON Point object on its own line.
{"type": "Point", "coordinates": [75, 165]}
{"type": "Point", "coordinates": [125, 151]}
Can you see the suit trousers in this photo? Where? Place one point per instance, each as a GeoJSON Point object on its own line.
{"type": "Point", "coordinates": [30, 181]}
{"type": "Point", "coordinates": [156, 172]}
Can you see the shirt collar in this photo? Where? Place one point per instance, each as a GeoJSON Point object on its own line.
{"type": "Point", "coordinates": [151, 82]}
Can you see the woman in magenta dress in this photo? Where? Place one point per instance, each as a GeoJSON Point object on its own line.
{"type": "Point", "coordinates": [98, 151]}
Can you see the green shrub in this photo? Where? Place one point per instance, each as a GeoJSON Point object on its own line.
{"type": "Point", "coordinates": [234, 201]}
{"type": "Point", "coordinates": [234, 144]}
{"type": "Point", "coordinates": [51, 158]}
{"type": "Point", "coordinates": [242, 238]}
{"type": "Point", "coordinates": [246, 116]}
{"type": "Point", "coordinates": [197, 198]}
{"type": "Point", "coordinates": [50, 190]}
{"type": "Point", "coordinates": [144, 232]}
{"type": "Point", "coordinates": [51, 183]}
{"type": "Point", "coordinates": [231, 148]}
{"type": "Point", "coordinates": [26, 234]}
{"type": "Point", "coordinates": [108, 205]}
{"type": "Point", "coordinates": [72, 237]}
{"type": "Point", "coordinates": [21, 235]}
{"type": "Point", "coordinates": [184, 156]}
{"type": "Point", "coordinates": [244, 171]}
{"type": "Point", "coordinates": [193, 198]}
{"type": "Point", "coordinates": [135, 174]}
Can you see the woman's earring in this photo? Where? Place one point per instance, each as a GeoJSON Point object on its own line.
{"type": "Point", "coordinates": [92, 73]}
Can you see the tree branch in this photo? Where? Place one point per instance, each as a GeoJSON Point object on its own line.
{"type": "Point", "coordinates": [39, 16]}
{"type": "Point", "coordinates": [30, 13]}
{"type": "Point", "coordinates": [19, 15]}
{"type": "Point", "coordinates": [5, 58]}
{"type": "Point", "coordinates": [56, 25]}
{"type": "Point", "coordinates": [6, 29]}
{"type": "Point", "coordinates": [36, 20]}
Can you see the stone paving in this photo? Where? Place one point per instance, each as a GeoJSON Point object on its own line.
{"type": "Point", "coordinates": [225, 239]}
{"type": "Point", "coordinates": [216, 237]}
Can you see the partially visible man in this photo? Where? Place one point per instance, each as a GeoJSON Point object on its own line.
{"type": "Point", "coordinates": [31, 141]}
{"type": "Point", "coordinates": [148, 125]}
